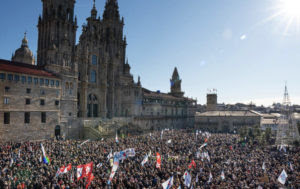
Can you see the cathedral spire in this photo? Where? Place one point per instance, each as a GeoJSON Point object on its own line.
{"type": "Point", "coordinates": [176, 84]}
{"type": "Point", "coordinates": [94, 11]}
{"type": "Point", "coordinates": [111, 10]}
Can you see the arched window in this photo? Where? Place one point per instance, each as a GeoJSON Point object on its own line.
{"type": "Point", "coordinates": [67, 85]}
{"type": "Point", "coordinates": [94, 59]}
{"type": "Point", "coordinates": [93, 76]}
{"type": "Point", "coordinates": [92, 106]}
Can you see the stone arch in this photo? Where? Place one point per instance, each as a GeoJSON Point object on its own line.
{"type": "Point", "coordinates": [57, 131]}
{"type": "Point", "coordinates": [92, 105]}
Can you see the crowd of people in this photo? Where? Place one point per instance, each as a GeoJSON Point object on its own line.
{"type": "Point", "coordinates": [228, 163]}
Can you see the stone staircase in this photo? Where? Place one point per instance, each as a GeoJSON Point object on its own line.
{"type": "Point", "coordinates": [96, 129]}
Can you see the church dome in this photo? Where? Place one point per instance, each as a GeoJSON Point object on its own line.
{"type": "Point", "coordinates": [24, 54]}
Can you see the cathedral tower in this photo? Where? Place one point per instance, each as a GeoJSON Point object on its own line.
{"type": "Point", "coordinates": [57, 34]}
{"type": "Point", "coordinates": [56, 53]}
{"type": "Point", "coordinates": [115, 46]}
{"type": "Point", "coordinates": [176, 84]}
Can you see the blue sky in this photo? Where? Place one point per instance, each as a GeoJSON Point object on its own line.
{"type": "Point", "coordinates": [229, 45]}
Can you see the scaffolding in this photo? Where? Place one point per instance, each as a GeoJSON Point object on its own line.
{"type": "Point", "coordinates": [287, 131]}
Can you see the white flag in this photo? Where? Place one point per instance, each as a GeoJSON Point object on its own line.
{"type": "Point", "coordinates": [161, 134]}
{"type": "Point", "coordinates": [210, 177]}
{"type": "Point", "coordinates": [222, 175]}
{"type": "Point", "coordinates": [169, 141]}
{"type": "Point", "coordinates": [202, 146]}
{"type": "Point", "coordinates": [291, 166]}
{"type": "Point", "coordinates": [11, 162]}
{"type": "Point", "coordinates": [168, 184]}
{"type": "Point", "coordinates": [99, 165]}
{"type": "Point", "coordinates": [197, 179]}
{"type": "Point", "coordinates": [117, 140]}
{"type": "Point", "coordinates": [187, 179]}
{"type": "Point", "coordinates": [145, 160]}
{"type": "Point", "coordinates": [263, 166]}
{"type": "Point", "coordinates": [110, 155]}
{"type": "Point", "coordinates": [282, 177]}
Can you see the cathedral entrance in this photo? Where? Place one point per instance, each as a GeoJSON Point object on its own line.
{"type": "Point", "coordinates": [92, 106]}
{"type": "Point", "coordinates": [57, 131]}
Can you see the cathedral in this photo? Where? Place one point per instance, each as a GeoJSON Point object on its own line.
{"type": "Point", "coordinates": [70, 84]}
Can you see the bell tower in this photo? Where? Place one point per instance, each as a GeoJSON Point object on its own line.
{"type": "Point", "coordinates": [176, 84]}
{"type": "Point", "coordinates": [57, 34]}
{"type": "Point", "coordinates": [56, 53]}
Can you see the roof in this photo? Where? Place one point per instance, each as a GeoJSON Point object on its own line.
{"type": "Point", "coordinates": [227, 113]}
{"type": "Point", "coordinates": [160, 95]}
{"type": "Point", "coordinates": [23, 68]}
{"type": "Point", "coordinates": [269, 121]}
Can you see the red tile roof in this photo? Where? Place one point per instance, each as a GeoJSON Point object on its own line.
{"type": "Point", "coordinates": [22, 68]}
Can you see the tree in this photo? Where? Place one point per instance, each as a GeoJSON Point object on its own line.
{"type": "Point", "coordinates": [268, 134]}
{"type": "Point", "coordinates": [243, 132]}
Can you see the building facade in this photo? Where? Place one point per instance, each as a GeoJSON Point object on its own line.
{"type": "Point", "coordinates": [70, 82]}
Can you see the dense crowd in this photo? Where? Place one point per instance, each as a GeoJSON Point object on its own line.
{"type": "Point", "coordinates": [244, 165]}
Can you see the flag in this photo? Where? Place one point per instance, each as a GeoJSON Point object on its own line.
{"type": "Point", "coordinates": [145, 160]}
{"type": "Point", "coordinates": [210, 177]}
{"type": "Point", "coordinates": [40, 159]}
{"type": "Point", "coordinates": [130, 152]}
{"type": "Point", "coordinates": [87, 169]}
{"type": "Point", "coordinates": [263, 166]}
{"type": "Point", "coordinates": [110, 155]}
{"type": "Point", "coordinates": [67, 169]}
{"type": "Point", "coordinates": [207, 156]}
{"type": "Point", "coordinates": [84, 142]}
{"type": "Point", "coordinates": [222, 175]}
{"type": "Point", "coordinates": [187, 179]}
{"type": "Point", "coordinates": [99, 165]}
{"type": "Point", "coordinates": [79, 172]}
{"type": "Point", "coordinates": [291, 166]}
{"type": "Point", "coordinates": [205, 140]}
{"type": "Point", "coordinates": [90, 179]}
{"type": "Point", "coordinates": [282, 177]}
{"type": "Point", "coordinates": [169, 141]}
{"type": "Point", "coordinates": [46, 160]}
{"type": "Point", "coordinates": [158, 160]}
{"type": "Point", "coordinates": [114, 169]}
{"type": "Point", "coordinates": [117, 140]}
{"type": "Point", "coordinates": [11, 162]}
{"type": "Point", "coordinates": [19, 153]}
{"type": "Point", "coordinates": [198, 155]}
{"type": "Point", "coordinates": [168, 184]}
{"type": "Point", "coordinates": [161, 134]}
{"type": "Point", "coordinates": [197, 179]}
{"type": "Point", "coordinates": [192, 164]}
{"type": "Point", "coordinates": [202, 146]}
{"type": "Point", "coordinates": [230, 147]}
{"type": "Point", "coordinates": [282, 147]}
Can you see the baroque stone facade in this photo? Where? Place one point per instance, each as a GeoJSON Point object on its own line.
{"type": "Point", "coordinates": [92, 80]}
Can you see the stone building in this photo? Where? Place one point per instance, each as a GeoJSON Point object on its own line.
{"type": "Point", "coordinates": [215, 120]}
{"type": "Point", "coordinates": [72, 84]}
{"type": "Point", "coordinates": [226, 121]}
